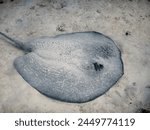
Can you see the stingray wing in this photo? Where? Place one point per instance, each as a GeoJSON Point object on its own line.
{"type": "Point", "coordinates": [52, 78]}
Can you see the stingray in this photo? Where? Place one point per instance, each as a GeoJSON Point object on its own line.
{"type": "Point", "coordinates": [75, 67]}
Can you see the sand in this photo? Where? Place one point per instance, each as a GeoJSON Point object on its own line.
{"type": "Point", "coordinates": [126, 22]}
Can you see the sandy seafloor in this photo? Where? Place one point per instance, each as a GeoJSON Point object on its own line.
{"type": "Point", "coordinates": [127, 22]}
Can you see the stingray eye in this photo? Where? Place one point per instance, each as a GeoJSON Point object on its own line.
{"type": "Point", "coordinates": [98, 67]}
{"type": "Point", "coordinates": [29, 49]}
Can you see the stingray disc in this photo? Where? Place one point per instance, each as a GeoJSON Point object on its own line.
{"type": "Point", "coordinates": [75, 67]}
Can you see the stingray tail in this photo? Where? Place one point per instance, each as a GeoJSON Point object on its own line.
{"type": "Point", "coordinates": [14, 42]}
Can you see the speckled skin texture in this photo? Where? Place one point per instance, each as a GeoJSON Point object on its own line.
{"type": "Point", "coordinates": [75, 67]}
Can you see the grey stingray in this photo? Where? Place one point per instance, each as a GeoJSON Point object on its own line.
{"type": "Point", "coordinates": [75, 67]}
